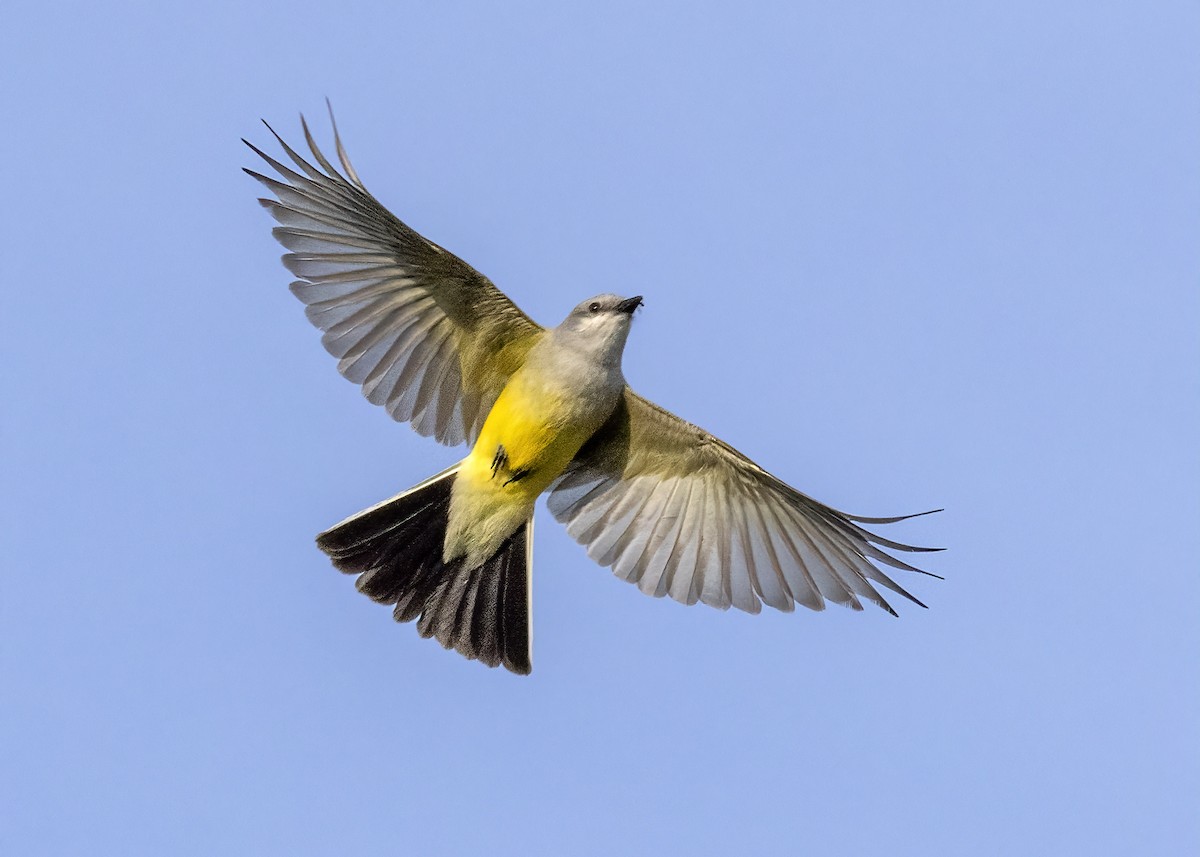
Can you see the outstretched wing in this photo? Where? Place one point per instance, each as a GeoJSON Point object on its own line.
{"type": "Point", "coordinates": [678, 512]}
{"type": "Point", "coordinates": [425, 334]}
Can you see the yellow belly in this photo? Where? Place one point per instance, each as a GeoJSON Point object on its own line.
{"type": "Point", "coordinates": [538, 437]}
{"type": "Point", "coordinates": [530, 436]}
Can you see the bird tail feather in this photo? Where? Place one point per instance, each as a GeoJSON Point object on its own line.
{"type": "Point", "coordinates": [395, 548]}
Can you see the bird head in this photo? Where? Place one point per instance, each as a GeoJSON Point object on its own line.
{"type": "Point", "coordinates": [600, 325]}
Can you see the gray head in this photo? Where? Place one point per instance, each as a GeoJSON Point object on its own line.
{"type": "Point", "coordinates": [599, 325]}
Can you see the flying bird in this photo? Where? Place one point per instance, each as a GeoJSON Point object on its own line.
{"type": "Point", "coordinates": [662, 502]}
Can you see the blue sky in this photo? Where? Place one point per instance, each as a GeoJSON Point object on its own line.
{"type": "Point", "coordinates": [903, 255]}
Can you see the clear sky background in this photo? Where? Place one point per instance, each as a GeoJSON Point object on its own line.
{"type": "Point", "coordinates": [903, 255]}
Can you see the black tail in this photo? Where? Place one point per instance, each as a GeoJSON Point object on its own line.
{"type": "Point", "coordinates": [396, 549]}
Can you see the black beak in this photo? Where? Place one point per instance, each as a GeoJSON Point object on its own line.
{"type": "Point", "coordinates": [629, 304]}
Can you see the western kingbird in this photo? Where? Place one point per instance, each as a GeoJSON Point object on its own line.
{"type": "Point", "coordinates": [663, 503]}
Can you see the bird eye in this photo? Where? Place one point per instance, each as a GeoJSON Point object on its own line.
{"type": "Point", "coordinates": [594, 306]}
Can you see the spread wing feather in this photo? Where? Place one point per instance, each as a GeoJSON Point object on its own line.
{"type": "Point", "coordinates": [427, 336]}
{"type": "Point", "coordinates": [678, 512]}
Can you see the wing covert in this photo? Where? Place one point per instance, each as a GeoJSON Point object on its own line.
{"type": "Point", "coordinates": [426, 336]}
{"type": "Point", "coordinates": [681, 513]}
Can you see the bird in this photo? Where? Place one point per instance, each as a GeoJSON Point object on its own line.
{"type": "Point", "coordinates": [545, 410]}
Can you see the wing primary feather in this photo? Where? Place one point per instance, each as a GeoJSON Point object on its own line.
{"type": "Point", "coordinates": [883, 580]}
{"type": "Point", "coordinates": [316, 184]}
{"type": "Point", "coordinates": [855, 552]}
{"type": "Point", "coordinates": [302, 197]}
{"type": "Point", "coordinates": [341, 150]}
{"type": "Point", "coordinates": [411, 328]}
{"type": "Point", "coordinates": [857, 571]}
{"type": "Point", "coordinates": [384, 288]}
{"type": "Point", "coordinates": [369, 351]}
{"type": "Point", "coordinates": [371, 325]}
{"type": "Point", "coordinates": [321, 159]}
{"type": "Point", "coordinates": [869, 536]}
{"type": "Point", "coordinates": [854, 536]}
{"type": "Point", "coordinates": [321, 263]}
{"type": "Point", "coordinates": [398, 275]}
{"type": "Point", "coordinates": [887, 559]}
{"type": "Point", "coordinates": [770, 583]}
{"type": "Point", "coordinates": [311, 171]}
{"type": "Point", "coordinates": [893, 520]}
{"type": "Point", "coordinates": [819, 565]}
{"type": "Point", "coordinates": [289, 215]}
{"type": "Point", "coordinates": [282, 169]}
{"type": "Point", "coordinates": [802, 582]}
{"type": "Point", "coordinates": [855, 557]}
{"type": "Point", "coordinates": [296, 200]}
{"type": "Point", "coordinates": [309, 240]}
